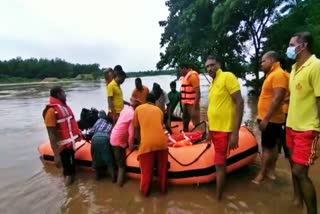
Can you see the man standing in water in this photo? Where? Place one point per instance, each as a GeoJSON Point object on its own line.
{"type": "Point", "coordinates": [270, 115]}
{"type": "Point", "coordinates": [225, 112]}
{"type": "Point", "coordinates": [190, 96]}
{"type": "Point", "coordinates": [115, 96]}
{"type": "Point", "coordinates": [63, 132]}
{"type": "Point", "coordinates": [303, 124]}
{"type": "Point", "coordinates": [153, 148]}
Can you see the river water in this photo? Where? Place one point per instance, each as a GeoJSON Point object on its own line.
{"type": "Point", "coordinates": [28, 186]}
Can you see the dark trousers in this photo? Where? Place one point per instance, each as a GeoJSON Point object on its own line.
{"type": "Point", "coordinates": [68, 162]}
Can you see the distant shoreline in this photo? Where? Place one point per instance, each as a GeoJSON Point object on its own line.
{"type": "Point", "coordinates": [39, 82]}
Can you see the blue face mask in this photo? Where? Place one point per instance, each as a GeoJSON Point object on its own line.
{"type": "Point", "coordinates": [291, 52]}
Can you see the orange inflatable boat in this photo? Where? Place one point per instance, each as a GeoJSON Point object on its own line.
{"type": "Point", "coordinates": [191, 164]}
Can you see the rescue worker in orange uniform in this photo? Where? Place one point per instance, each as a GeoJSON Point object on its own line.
{"type": "Point", "coordinates": [63, 132]}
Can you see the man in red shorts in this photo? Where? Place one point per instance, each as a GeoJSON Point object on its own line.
{"type": "Point", "coordinates": [303, 124]}
{"type": "Point", "coordinates": [225, 112]}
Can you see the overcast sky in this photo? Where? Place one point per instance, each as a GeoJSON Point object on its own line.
{"type": "Point", "coordinates": [107, 32]}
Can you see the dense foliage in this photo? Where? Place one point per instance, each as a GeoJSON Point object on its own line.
{"type": "Point", "coordinates": [42, 68]}
{"type": "Point", "coordinates": [238, 30]}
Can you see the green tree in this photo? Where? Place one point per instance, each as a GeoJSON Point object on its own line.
{"type": "Point", "coordinates": [189, 37]}
{"type": "Point", "coordinates": [304, 16]}
{"type": "Point", "coordinates": [247, 21]}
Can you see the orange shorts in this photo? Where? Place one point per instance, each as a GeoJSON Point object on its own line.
{"type": "Point", "coordinates": [304, 146]}
{"type": "Point", "coordinates": [220, 142]}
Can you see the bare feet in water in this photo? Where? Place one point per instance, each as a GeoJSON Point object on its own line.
{"type": "Point", "coordinates": [258, 179]}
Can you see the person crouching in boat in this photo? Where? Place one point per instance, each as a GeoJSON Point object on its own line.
{"type": "Point", "coordinates": [225, 112]}
{"type": "Point", "coordinates": [101, 153]}
{"type": "Point", "coordinates": [153, 148]}
{"type": "Point", "coordinates": [122, 136]}
{"type": "Point", "coordinates": [63, 132]}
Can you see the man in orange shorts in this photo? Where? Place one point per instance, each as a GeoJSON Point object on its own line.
{"type": "Point", "coordinates": [225, 112]}
{"type": "Point", "coordinates": [303, 122]}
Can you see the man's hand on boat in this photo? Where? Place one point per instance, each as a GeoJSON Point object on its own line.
{"type": "Point", "coordinates": [233, 141]}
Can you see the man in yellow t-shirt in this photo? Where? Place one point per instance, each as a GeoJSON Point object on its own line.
{"type": "Point", "coordinates": [153, 148]}
{"type": "Point", "coordinates": [303, 122]}
{"type": "Point", "coordinates": [225, 112]}
{"type": "Point", "coordinates": [115, 96]}
{"type": "Point", "coordinates": [270, 115]}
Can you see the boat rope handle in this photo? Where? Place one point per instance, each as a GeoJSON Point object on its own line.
{"type": "Point", "coordinates": [82, 145]}
{"type": "Point", "coordinates": [195, 160]}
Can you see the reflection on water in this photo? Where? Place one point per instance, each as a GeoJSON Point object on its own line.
{"type": "Point", "coordinates": [28, 186]}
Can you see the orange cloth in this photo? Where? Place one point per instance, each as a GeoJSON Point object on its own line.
{"type": "Point", "coordinates": [194, 81]}
{"type": "Point", "coordinates": [274, 79]}
{"type": "Point", "coordinates": [50, 118]}
{"type": "Point", "coordinates": [141, 95]}
{"type": "Point", "coordinates": [150, 120]}
{"type": "Point", "coordinates": [285, 105]}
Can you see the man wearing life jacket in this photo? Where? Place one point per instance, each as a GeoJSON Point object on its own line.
{"type": "Point", "coordinates": [190, 96]}
{"type": "Point", "coordinates": [63, 132]}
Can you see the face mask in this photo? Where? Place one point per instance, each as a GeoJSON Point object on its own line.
{"type": "Point", "coordinates": [291, 52]}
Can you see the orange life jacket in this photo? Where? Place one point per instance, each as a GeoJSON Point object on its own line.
{"type": "Point", "coordinates": [188, 94]}
{"type": "Point", "coordinates": [68, 130]}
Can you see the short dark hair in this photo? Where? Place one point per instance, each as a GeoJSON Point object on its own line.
{"type": "Point", "coordinates": [173, 84]}
{"type": "Point", "coordinates": [138, 79]}
{"type": "Point", "coordinates": [305, 37]}
{"type": "Point", "coordinates": [151, 98]}
{"type": "Point", "coordinates": [185, 65]}
{"type": "Point", "coordinates": [217, 59]}
{"type": "Point", "coordinates": [118, 68]}
{"type": "Point", "coordinates": [55, 91]}
{"type": "Point", "coordinates": [274, 55]}
{"type": "Point", "coordinates": [121, 74]}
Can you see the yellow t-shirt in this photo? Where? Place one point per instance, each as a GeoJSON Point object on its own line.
{"type": "Point", "coordinates": [304, 87]}
{"type": "Point", "coordinates": [221, 108]}
{"type": "Point", "coordinates": [141, 95]}
{"type": "Point", "coordinates": [276, 78]}
{"type": "Point", "coordinates": [150, 120]}
{"type": "Point", "coordinates": [114, 91]}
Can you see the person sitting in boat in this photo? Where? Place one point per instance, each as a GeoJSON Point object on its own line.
{"type": "Point", "coordinates": [101, 153]}
{"type": "Point", "coordinates": [162, 101]}
{"type": "Point", "coordinates": [63, 132]}
{"type": "Point", "coordinates": [122, 136]}
{"type": "Point", "coordinates": [153, 148]}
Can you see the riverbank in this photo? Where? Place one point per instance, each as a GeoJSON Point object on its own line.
{"type": "Point", "coordinates": [41, 82]}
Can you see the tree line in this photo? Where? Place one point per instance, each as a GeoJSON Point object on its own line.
{"type": "Point", "coordinates": [42, 68]}
{"type": "Point", "coordinates": [239, 31]}
{"type": "Point", "coordinates": [37, 69]}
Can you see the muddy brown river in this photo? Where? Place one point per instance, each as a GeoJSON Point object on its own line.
{"type": "Point", "coordinates": [28, 186]}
